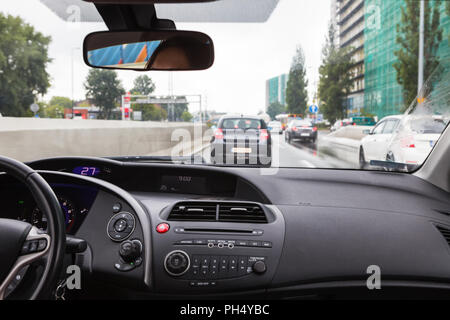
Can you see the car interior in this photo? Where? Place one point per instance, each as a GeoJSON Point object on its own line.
{"type": "Point", "coordinates": [181, 230]}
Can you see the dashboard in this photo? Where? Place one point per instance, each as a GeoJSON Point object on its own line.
{"type": "Point", "coordinates": [165, 230]}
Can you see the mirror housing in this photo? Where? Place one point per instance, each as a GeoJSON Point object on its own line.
{"type": "Point", "coordinates": [168, 50]}
{"type": "Point", "coordinates": [367, 131]}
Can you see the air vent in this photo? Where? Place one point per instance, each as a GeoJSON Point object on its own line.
{"type": "Point", "coordinates": [445, 233]}
{"type": "Point", "coordinates": [227, 212]}
{"type": "Point", "coordinates": [194, 211]}
{"type": "Point", "coordinates": [242, 212]}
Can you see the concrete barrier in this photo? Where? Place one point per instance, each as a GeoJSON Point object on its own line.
{"type": "Point", "coordinates": [28, 139]}
{"type": "Point", "coordinates": [344, 143]}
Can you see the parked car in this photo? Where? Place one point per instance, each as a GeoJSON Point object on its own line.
{"type": "Point", "coordinates": [417, 136]}
{"type": "Point", "coordinates": [339, 124]}
{"type": "Point", "coordinates": [275, 127]}
{"type": "Point", "coordinates": [362, 121]}
{"type": "Point", "coordinates": [374, 146]}
{"type": "Point", "coordinates": [241, 140]}
{"type": "Point", "coordinates": [302, 130]}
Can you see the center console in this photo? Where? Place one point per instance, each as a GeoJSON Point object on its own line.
{"type": "Point", "coordinates": [216, 247]}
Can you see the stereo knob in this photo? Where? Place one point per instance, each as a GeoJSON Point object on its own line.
{"type": "Point", "coordinates": [177, 263]}
{"type": "Point", "coordinates": [130, 250]}
{"type": "Point", "coordinates": [259, 267]}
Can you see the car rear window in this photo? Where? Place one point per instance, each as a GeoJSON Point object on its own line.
{"type": "Point", "coordinates": [302, 123]}
{"type": "Point", "coordinates": [243, 123]}
{"type": "Point", "coordinates": [428, 126]}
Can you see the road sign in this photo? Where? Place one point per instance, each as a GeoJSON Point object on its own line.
{"type": "Point", "coordinates": [313, 109]}
{"type": "Point", "coordinates": [34, 107]}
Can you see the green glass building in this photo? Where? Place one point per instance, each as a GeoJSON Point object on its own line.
{"type": "Point", "coordinates": [383, 95]}
{"type": "Point", "coordinates": [276, 90]}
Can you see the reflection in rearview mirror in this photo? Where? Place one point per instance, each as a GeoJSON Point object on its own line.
{"type": "Point", "coordinates": [149, 50]}
{"type": "Point", "coordinates": [124, 56]}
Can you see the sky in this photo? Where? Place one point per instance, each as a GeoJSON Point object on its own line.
{"type": "Point", "coordinates": [246, 54]}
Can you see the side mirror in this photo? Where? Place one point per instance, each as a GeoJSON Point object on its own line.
{"type": "Point", "coordinates": [367, 131]}
{"type": "Point", "coordinates": [169, 50]}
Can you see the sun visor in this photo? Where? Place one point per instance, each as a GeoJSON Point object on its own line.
{"type": "Point", "coordinates": [256, 11]}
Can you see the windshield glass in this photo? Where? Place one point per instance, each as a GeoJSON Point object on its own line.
{"type": "Point", "coordinates": [295, 83]}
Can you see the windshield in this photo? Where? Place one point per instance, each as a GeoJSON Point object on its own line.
{"type": "Point", "coordinates": [355, 72]}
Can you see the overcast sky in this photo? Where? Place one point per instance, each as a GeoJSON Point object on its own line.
{"type": "Point", "coordinates": [246, 54]}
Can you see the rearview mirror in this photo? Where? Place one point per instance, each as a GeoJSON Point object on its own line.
{"type": "Point", "coordinates": [169, 50]}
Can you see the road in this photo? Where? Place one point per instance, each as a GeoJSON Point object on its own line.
{"type": "Point", "coordinates": [297, 154]}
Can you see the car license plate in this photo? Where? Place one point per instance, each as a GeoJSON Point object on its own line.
{"type": "Point", "coordinates": [305, 134]}
{"type": "Point", "coordinates": [241, 150]}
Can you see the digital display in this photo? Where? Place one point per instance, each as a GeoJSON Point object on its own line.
{"type": "Point", "coordinates": [183, 184]}
{"type": "Point", "coordinates": [86, 171]}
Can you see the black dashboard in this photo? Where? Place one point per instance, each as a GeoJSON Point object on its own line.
{"type": "Point", "coordinates": [180, 230]}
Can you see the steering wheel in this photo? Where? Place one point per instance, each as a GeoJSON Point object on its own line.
{"type": "Point", "coordinates": [21, 243]}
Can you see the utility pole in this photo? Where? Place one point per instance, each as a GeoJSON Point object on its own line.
{"type": "Point", "coordinates": [421, 46]}
{"type": "Point", "coordinates": [72, 50]}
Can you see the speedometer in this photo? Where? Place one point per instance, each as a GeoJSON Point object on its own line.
{"type": "Point", "coordinates": [39, 220]}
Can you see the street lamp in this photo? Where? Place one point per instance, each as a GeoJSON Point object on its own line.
{"type": "Point", "coordinates": [71, 52]}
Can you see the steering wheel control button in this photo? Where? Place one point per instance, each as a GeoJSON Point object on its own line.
{"type": "Point", "coordinates": [32, 246]}
{"type": "Point", "coordinates": [177, 263]}
{"type": "Point", "coordinates": [116, 207]}
{"type": "Point", "coordinates": [162, 227]}
{"type": "Point", "coordinates": [121, 226]}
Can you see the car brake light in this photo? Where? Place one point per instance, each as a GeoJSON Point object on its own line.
{"type": "Point", "coordinates": [315, 129]}
{"type": "Point", "coordinates": [294, 128]}
{"type": "Point", "coordinates": [264, 135]}
{"type": "Point", "coordinates": [407, 142]}
{"type": "Point", "coordinates": [218, 134]}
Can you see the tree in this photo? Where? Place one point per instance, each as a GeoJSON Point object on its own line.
{"type": "Point", "coordinates": [23, 62]}
{"type": "Point", "coordinates": [143, 85]}
{"type": "Point", "coordinates": [151, 112]}
{"type": "Point", "coordinates": [55, 107]}
{"type": "Point", "coordinates": [186, 116]}
{"type": "Point", "coordinates": [335, 78]}
{"type": "Point", "coordinates": [296, 92]}
{"type": "Point", "coordinates": [178, 108]}
{"type": "Point", "coordinates": [408, 39]}
{"type": "Point", "coordinates": [104, 88]}
{"type": "Point", "coordinates": [274, 109]}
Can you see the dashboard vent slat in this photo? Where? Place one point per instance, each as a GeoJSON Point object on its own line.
{"type": "Point", "coordinates": [242, 212]}
{"type": "Point", "coordinates": [239, 212]}
{"type": "Point", "coordinates": [194, 211]}
{"type": "Point", "coordinates": [444, 232]}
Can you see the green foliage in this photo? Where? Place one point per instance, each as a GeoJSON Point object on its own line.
{"type": "Point", "coordinates": [62, 102]}
{"type": "Point", "coordinates": [186, 116]}
{"type": "Point", "coordinates": [143, 85]}
{"type": "Point", "coordinates": [408, 39]}
{"type": "Point", "coordinates": [274, 109]}
{"type": "Point", "coordinates": [296, 91]}
{"type": "Point", "coordinates": [150, 112]}
{"type": "Point", "coordinates": [53, 111]}
{"type": "Point", "coordinates": [178, 109]}
{"type": "Point", "coordinates": [23, 62]}
{"type": "Point", "coordinates": [335, 79]}
{"type": "Point", "coordinates": [104, 89]}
